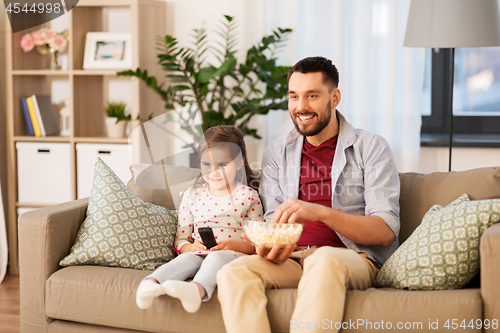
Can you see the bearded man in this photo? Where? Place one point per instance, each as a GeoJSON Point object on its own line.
{"type": "Point", "coordinates": [342, 183]}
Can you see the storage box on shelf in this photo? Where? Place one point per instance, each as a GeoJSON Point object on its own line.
{"type": "Point", "coordinates": [43, 173]}
{"type": "Point", "coordinates": [116, 156]}
{"type": "Point", "coordinates": [87, 91]}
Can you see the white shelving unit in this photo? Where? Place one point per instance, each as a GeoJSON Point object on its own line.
{"type": "Point", "coordinates": [87, 90]}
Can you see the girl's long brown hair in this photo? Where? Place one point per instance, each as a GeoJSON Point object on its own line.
{"type": "Point", "coordinates": [229, 134]}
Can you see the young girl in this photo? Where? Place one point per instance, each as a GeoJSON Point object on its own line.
{"type": "Point", "coordinates": [220, 202]}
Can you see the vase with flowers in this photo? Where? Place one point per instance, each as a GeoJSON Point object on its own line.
{"type": "Point", "coordinates": [46, 41]}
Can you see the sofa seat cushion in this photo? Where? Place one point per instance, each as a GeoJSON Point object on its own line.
{"type": "Point", "coordinates": [411, 308]}
{"type": "Point", "coordinates": [106, 296]}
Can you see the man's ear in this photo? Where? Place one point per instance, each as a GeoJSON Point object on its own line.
{"type": "Point", "coordinates": [335, 97]}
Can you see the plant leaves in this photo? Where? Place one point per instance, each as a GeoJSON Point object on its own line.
{"type": "Point", "coordinates": [177, 78]}
{"type": "Point", "coordinates": [223, 93]}
{"type": "Point", "coordinates": [227, 66]}
{"type": "Point", "coordinates": [206, 74]}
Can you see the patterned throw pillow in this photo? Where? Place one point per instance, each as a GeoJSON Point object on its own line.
{"type": "Point", "coordinates": [121, 230]}
{"type": "Point", "coordinates": [443, 251]}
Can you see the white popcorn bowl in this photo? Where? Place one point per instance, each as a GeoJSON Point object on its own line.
{"type": "Point", "coordinates": [270, 234]}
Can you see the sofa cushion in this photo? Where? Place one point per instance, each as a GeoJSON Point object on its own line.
{"type": "Point", "coordinates": [443, 252]}
{"type": "Point", "coordinates": [420, 192]}
{"type": "Point", "coordinates": [120, 229]}
{"type": "Point", "coordinates": [161, 184]}
{"type": "Point", "coordinates": [90, 294]}
{"type": "Point", "coordinates": [415, 311]}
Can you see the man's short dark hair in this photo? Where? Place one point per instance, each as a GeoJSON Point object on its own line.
{"type": "Point", "coordinates": [314, 65]}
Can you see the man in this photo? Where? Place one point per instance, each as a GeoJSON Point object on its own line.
{"type": "Point", "coordinates": [343, 184]}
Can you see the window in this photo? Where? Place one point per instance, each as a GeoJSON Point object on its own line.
{"type": "Point", "coordinates": [476, 97]}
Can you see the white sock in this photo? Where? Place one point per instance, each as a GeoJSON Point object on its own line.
{"type": "Point", "coordinates": [187, 292]}
{"type": "Point", "coordinates": [146, 293]}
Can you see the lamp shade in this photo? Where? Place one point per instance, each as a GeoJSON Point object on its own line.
{"type": "Point", "coordinates": [453, 23]}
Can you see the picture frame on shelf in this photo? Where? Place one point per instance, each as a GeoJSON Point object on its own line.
{"type": "Point", "coordinates": [108, 50]}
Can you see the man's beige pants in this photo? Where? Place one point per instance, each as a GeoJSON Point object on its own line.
{"type": "Point", "coordinates": [322, 277]}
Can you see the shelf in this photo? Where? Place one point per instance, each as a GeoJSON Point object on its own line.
{"type": "Point", "coordinates": [98, 139]}
{"type": "Point", "coordinates": [39, 72]}
{"type": "Point", "coordinates": [83, 72]}
{"type": "Point", "coordinates": [101, 140]}
{"type": "Point", "coordinates": [97, 72]}
{"type": "Point", "coordinates": [118, 3]}
{"type": "Point", "coordinates": [41, 139]}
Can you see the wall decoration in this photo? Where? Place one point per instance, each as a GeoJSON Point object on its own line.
{"type": "Point", "coordinates": [108, 50]}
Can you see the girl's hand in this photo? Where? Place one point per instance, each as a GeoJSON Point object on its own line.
{"type": "Point", "coordinates": [239, 246]}
{"type": "Point", "coordinates": [196, 246]}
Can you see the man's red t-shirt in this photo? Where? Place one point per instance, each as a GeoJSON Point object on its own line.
{"type": "Point", "coordinates": [315, 186]}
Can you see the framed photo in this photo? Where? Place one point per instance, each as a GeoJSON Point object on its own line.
{"type": "Point", "coordinates": [108, 50]}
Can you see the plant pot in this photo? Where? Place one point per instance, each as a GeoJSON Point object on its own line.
{"type": "Point", "coordinates": [115, 130]}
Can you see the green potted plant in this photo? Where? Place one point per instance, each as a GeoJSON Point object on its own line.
{"type": "Point", "coordinates": [116, 121]}
{"type": "Point", "coordinates": [228, 93]}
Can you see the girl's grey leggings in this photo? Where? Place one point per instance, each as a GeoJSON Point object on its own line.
{"type": "Point", "coordinates": [203, 269]}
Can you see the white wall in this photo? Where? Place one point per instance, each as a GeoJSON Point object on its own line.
{"type": "Point", "coordinates": [436, 159]}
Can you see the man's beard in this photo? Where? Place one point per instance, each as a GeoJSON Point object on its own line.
{"type": "Point", "coordinates": [321, 123]}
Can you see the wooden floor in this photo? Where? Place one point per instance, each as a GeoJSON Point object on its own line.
{"type": "Point", "coordinates": [9, 305]}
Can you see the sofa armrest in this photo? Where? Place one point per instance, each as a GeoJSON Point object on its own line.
{"type": "Point", "coordinates": [45, 237]}
{"type": "Point", "coordinates": [490, 273]}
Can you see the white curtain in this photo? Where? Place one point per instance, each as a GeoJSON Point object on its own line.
{"type": "Point", "coordinates": [380, 80]}
{"type": "Point", "coordinates": [3, 240]}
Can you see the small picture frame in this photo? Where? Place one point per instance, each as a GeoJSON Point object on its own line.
{"type": "Point", "coordinates": [108, 50]}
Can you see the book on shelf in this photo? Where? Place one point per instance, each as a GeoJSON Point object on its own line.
{"type": "Point", "coordinates": [38, 110]}
{"type": "Point", "coordinates": [38, 116]}
{"type": "Point", "coordinates": [47, 115]}
{"type": "Point", "coordinates": [26, 115]}
{"type": "Point", "coordinates": [33, 117]}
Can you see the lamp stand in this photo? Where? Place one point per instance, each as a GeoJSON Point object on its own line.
{"type": "Point", "coordinates": [450, 111]}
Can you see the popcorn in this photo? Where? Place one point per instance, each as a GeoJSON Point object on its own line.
{"type": "Point", "coordinates": [270, 234]}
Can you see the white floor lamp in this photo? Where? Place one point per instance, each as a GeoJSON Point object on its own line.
{"type": "Point", "coordinates": [452, 24]}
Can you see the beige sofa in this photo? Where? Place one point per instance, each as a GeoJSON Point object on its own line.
{"type": "Point", "coordinates": [102, 299]}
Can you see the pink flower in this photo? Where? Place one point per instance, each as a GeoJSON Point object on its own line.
{"type": "Point", "coordinates": [39, 37]}
{"type": "Point", "coordinates": [27, 43]}
{"type": "Point", "coordinates": [58, 43]}
{"type": "Point", "coordinates": [49, 35]}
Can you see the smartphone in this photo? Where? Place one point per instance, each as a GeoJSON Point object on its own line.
{"type": "Point", "coordinates": [207, 236]}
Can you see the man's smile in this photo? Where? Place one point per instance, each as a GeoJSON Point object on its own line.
{"type": "Point", "coordinates": [305, 118]}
